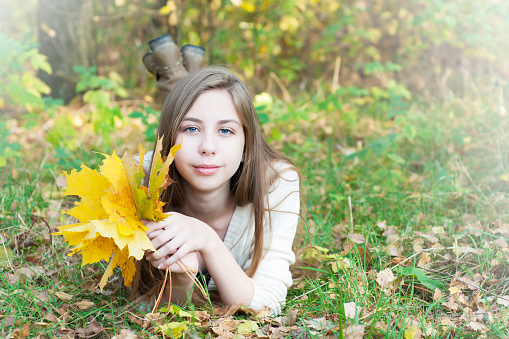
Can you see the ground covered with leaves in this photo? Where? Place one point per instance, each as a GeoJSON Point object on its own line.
{"type": "Point", "coordinates": [405, 232]}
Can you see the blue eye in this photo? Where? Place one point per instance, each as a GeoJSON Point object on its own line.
{"type": "Point", "coordinates": [225, 131]}
{"type": "Point", "coordinates": [191, 129]}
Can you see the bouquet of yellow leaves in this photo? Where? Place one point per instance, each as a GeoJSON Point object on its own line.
{"type": "Point", "coordinates": [113, 203]}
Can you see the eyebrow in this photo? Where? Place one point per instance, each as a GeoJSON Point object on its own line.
{"type": "Point", "coordinates": [220, 122]}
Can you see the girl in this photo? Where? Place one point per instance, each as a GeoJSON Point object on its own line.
{"type": "Point", "coordinates": [235, 201]}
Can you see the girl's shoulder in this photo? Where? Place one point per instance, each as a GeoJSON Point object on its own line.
{"type": "Point", "coordinates": [283, 171]}
{"type": "Point", "coordinates": [284, 182]}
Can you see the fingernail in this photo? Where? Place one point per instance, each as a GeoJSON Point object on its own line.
{"type": "Point", "coordinates": [160, 266]}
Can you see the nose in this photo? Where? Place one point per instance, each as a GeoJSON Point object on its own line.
{"type": "Point", "coordinates": [207, 145]}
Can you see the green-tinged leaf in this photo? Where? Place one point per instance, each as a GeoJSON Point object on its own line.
{"type": "Point", "coordinates": [174, 309]}
{"type": "Point", "coordinates": [340, 265]}
{"type": "Point", "coordinates": [121, 92]}
{"type": "Point", "coordinates": [39, 61]}
{"type": "Point", "coordinates": [421, 276]}
{"type": "Point", "coordinates": [396, 158]}
{"type": "Point", "coordinates": [248, 326]}
{"type": "Point", "coordinates": [174, 329]}
{"type": "Point", "coordinates": [98, 97]}
{"type": "Point", "coordinates": [6, 254]}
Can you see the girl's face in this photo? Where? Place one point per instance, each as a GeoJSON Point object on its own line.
{"type": "Point", "coordinates": [212, 143]}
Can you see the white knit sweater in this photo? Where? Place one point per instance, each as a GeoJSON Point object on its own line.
{"type": "Point", "coordinates": [272, 278]}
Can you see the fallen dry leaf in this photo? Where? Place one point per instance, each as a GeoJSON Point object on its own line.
{"type": "Point", "coordinates": [351, 310]}
{"type": "Point", "coordinates": [412, 332]}
{"type": "Point", "coordinates": [92, 329]}
{"type": "Point", "coordinates": [224, 327]}
{"type": "Point", "coordinates": [319, 326]}
{"type": "Point", "coordinates": [454, 290]}
{"type": "Point", "coordinates": [385, 278]}
{"type": "Point", "coordinates": [263, 314]}
{"type": "Point", "coordinates": [477, 327]}
{"type": "Point", "coordinates": [500, 242]}
{"type": "Point", "coordinates": [503, 300]}
{"type": "Point", "coordinates": [9, 321]}
{"type": "Point", "coordinates": [50, 317]}
{"type": "Point", "coordinates": [452, 304]}
{"type": "Point", "coordinates": [41, 298]}
{"type": "Point", "coordinates": [446, 321]}
{"type": "Point", "coordinates": [424, 260]}
{"type": "Point", "coordinates": [355, 331]}
{"type": "Point", "coordinates": [357, 238]}
{"type": "Point", "coordinates": [247, 326]}
{"type": "Point", "coordinates": [84, 304]}
{"type": "Point", "coordinates": [63, 296]}
{"type": "Point", "coordinates": [289, 320]}
{"type": "Point", "coordinates": [125, 334]}
{"type": "Point", "coordinates": [381, 225]}
{"type": "Point", "coordinates": [429, 237]}
{"type": "Point", "coordinates": [393, 245]}
{"type": "Point", "coordinates": [437, 295]}
{"type": "Point", "coordinates": [30, 271]}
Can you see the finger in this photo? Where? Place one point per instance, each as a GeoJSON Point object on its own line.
{"type": "Point", "coordinates": [155, 225]}
{"type": "Point", "coordinates": [152, 234]}
{"type": "Point", "coordinates": [164, 250]}
{"type": "Point", "coordinates": [175, 257]}
{"type": "Point", "coordinates": [154, 256]}
{"type": "Point", "coordinates": [163, 237]}
{"type": "Point", "coordinates": [169, 248]}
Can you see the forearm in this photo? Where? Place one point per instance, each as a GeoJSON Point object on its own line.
{"type": "Point", "coordinates": [234, 286]}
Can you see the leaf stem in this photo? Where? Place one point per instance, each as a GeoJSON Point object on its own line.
{"type": "Point", "coordinates": [190, 273]}
{"type": "Point", "coordinates": [162, 290]}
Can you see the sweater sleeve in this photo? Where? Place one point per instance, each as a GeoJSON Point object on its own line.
{"type": "Point", "coordinates": [273, 277]}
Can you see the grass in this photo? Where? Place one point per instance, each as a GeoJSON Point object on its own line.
{"type": "Point", "coordinates": [422, 187]}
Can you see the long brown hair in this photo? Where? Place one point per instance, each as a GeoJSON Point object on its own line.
{"type": "Point", "coordinates": [251, 182]}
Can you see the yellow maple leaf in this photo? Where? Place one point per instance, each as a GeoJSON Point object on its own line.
{"type": "Point", "coordinates": [113, 203]}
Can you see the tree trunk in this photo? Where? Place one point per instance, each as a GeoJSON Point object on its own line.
{"type": "Point", "coordinates": [66, 38]}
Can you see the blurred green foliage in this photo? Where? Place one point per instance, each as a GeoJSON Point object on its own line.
{"type": "Point", "coordinates": [19, 84]}
{"type": "Point", "coordinates": [440, 47]}
{"type": "Point", "coordinates": [150, 119]}
{"type": "Point", "coordinates": [99, 92]}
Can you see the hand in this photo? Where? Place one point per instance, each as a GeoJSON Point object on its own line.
{"type": "Point", "coordinates": [177, 236]}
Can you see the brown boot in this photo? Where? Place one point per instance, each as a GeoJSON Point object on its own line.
{"type": "Point", "coordinates": [147, 61]}
{"type": "Point", "coordinates": [193, 57]}
{"type": "Point", "coordinates": [166, 63]}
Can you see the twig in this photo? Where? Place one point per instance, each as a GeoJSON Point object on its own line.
{"type": "Point", "coordinates": [286, 96]}
{"type": "Point", "coordinates": [431, 249]}
{"type": "Point", "coordinates": [335, 77]}
{"type": "Point", "coordinates": [311, 290]}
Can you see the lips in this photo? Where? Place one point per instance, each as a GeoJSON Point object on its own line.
{"type": "Point", "coordinates": [206, 169]}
